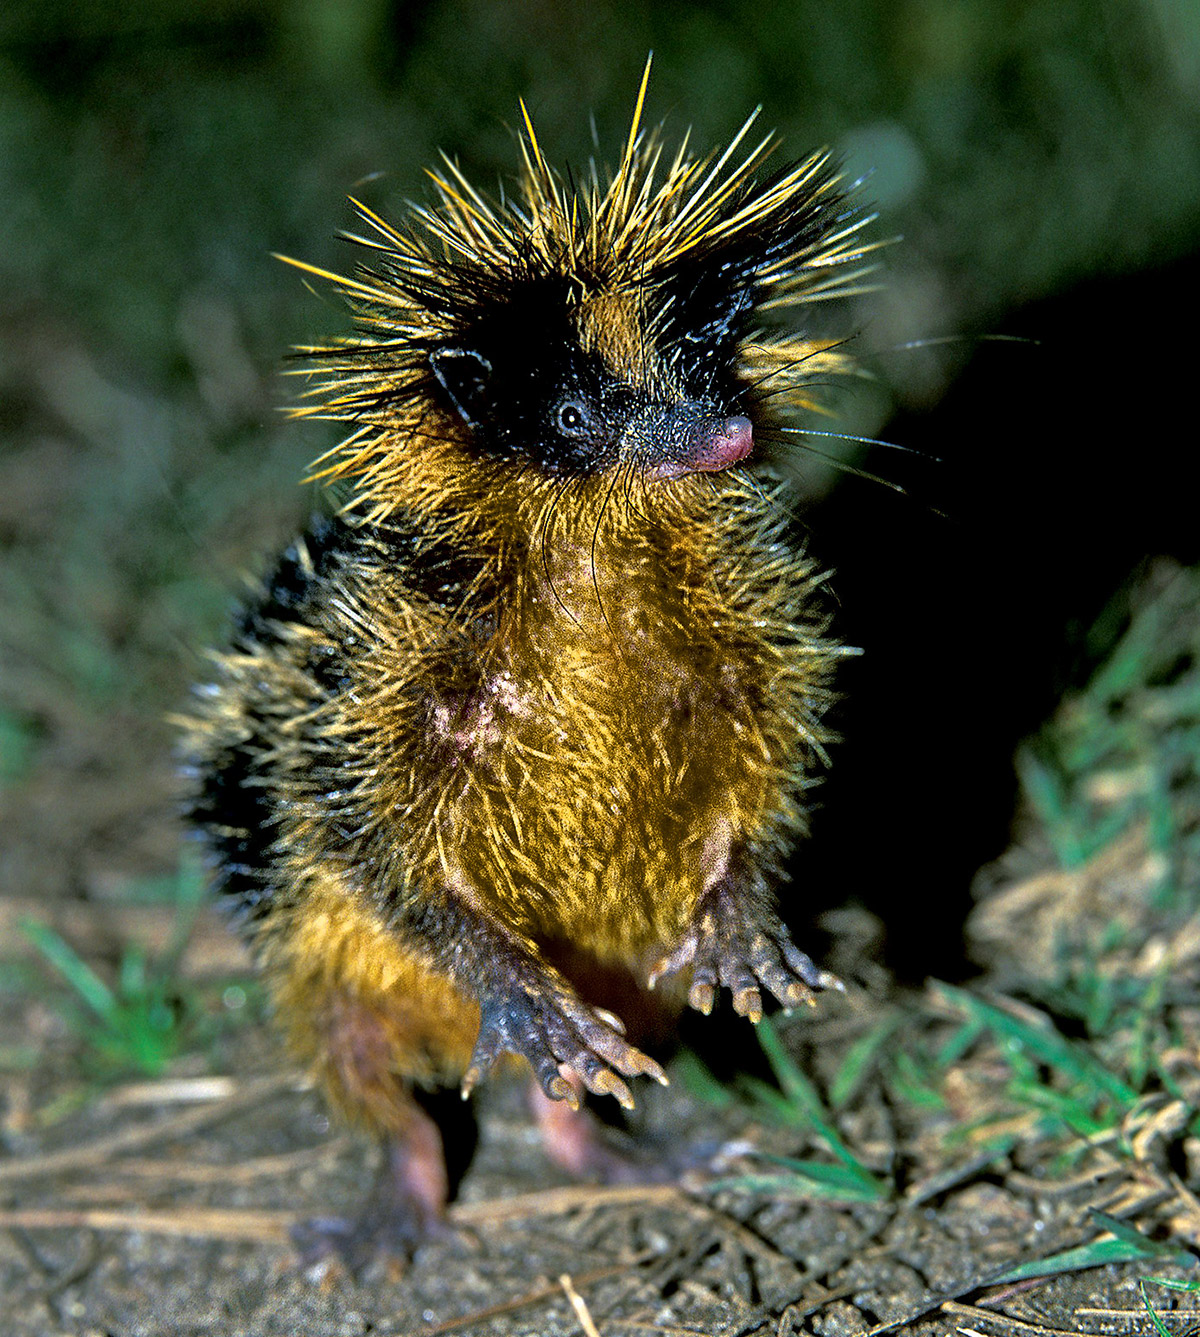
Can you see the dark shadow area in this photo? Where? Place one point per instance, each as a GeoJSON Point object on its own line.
{"type": "Point", "coordinates": [1064, 465]}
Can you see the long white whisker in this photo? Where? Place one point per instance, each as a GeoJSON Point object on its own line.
{"type": "Point", "coordinates": [861, 440]}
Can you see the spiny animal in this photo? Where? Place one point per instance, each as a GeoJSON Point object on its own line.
{"type": "Point", "coordinates": [526, 730]}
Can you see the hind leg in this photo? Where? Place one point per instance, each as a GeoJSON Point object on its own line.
{"type": "Point", "coordinates": [381, 1032]}
{"type": "Point", "coordinates": [406, 1204]}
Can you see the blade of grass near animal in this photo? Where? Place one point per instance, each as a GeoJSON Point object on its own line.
{"type": "Point", "coordinates": [1040, 1040]}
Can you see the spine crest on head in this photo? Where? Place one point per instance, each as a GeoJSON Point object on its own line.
{"type": "Point", "coordinates": [656, 278]}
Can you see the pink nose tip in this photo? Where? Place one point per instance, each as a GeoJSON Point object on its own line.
{"type": "Point", "coordinates": [732, 441]}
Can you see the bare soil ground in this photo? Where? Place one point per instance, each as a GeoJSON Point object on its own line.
{"type": "Point", "coordinates": [164, 1206]}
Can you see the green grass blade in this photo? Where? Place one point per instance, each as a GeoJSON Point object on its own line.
{"type": "Point", "coordinates": [852, 1175]}
{"type": "Point", "coordinates": [855, 1066]}
{"type": "Point", "coordinates": [698, 1080]}
{"type": "Point", "coordinates": [812, 1181]}
{"type": "Point", "coordinates": [1159, 1326]}
{"type": "Point", "coordinates": [133, 981]}
{"type": "Point", "coordinates": [800, 1103]}
{"type": "Point", "coordinates": [1044, 1043]}
{"type": "Point", "coordinates": [1129, 1246]}
{"type": "Point", "coordinates": [78, 974]}
{"type": "Point", "coordinates": [800, 1092]}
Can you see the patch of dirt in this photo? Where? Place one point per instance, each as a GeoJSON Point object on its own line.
{"type": "Point", "coordinates": [164, 1207]}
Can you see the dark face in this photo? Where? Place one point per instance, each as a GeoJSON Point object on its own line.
{"type": "Point", "coordinates": [526, 388]}
{"type": "Point", "coordinates": [561, 409]}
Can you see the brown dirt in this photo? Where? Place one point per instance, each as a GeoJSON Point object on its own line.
{"type": "Point", "coordinates": [163, 1207]}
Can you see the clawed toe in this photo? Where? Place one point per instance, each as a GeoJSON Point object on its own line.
{"type": "Point", "coordinates": [724, 951]}
{"type": "Point", "coordinates": [570, 1046]}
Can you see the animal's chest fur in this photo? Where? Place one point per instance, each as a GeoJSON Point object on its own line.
{"type": "Point", "coordinates": [589, 769]}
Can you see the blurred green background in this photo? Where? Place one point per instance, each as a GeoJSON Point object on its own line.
{"type": "Point", "coordinates": [153, 155]}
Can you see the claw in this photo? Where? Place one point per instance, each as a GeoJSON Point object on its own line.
{"type": "Point", "coordinates": [557, 1087]}
{"type": "Point", "coordinates": [663, 966]}
{"type": "Point", "coordinates": [746, 953]}
{"type": "Point", "coordinates": [607, 1083]}
{"type": "Point", "coordinates": [670, 962]}
{"type": "Point", "coordinates": [571, 1046]}
{"type": "Point", "coordinates": [748, 1003]}
{"type": "Point", "coordinates": [803, 965]}
{"type": "Point", "coordinates": [611, 1020]}
{"type": "Point", "coordinates": [645, 1066]}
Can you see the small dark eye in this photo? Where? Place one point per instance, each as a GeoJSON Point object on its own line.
{"type": "Point", "coordinates": [572, 418]}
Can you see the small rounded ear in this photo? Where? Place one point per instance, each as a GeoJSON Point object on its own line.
{"type": "Point", "coordinates": [464, 376]}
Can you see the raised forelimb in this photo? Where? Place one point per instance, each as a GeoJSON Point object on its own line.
{"type": "Point", "coordinates": [526, 1007]}
{"type": "Point", "coordinates": [735, 939]}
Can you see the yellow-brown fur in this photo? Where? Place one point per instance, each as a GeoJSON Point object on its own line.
{"type": "Point", "coordinates": [531, 718]}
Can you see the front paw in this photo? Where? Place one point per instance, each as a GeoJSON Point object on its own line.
{"type": "Point", "coordinates": [723, 948]}
{"type": "Point", "coordinates": [567, 1043]}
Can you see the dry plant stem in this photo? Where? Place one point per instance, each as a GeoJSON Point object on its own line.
{"type": "Point", "coordinates": [957, 1309]}
{"type": "Point", "coordinates": [579, 1305]}
{"type": "Point", "coordinates": [104, 1149]}
{"type": "Point", "coordinates": [240, 1172]}
{"type": "Point", "coordinates": [552, 1290]}
{"type": "Point", "coordinates": [264, 1227]}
